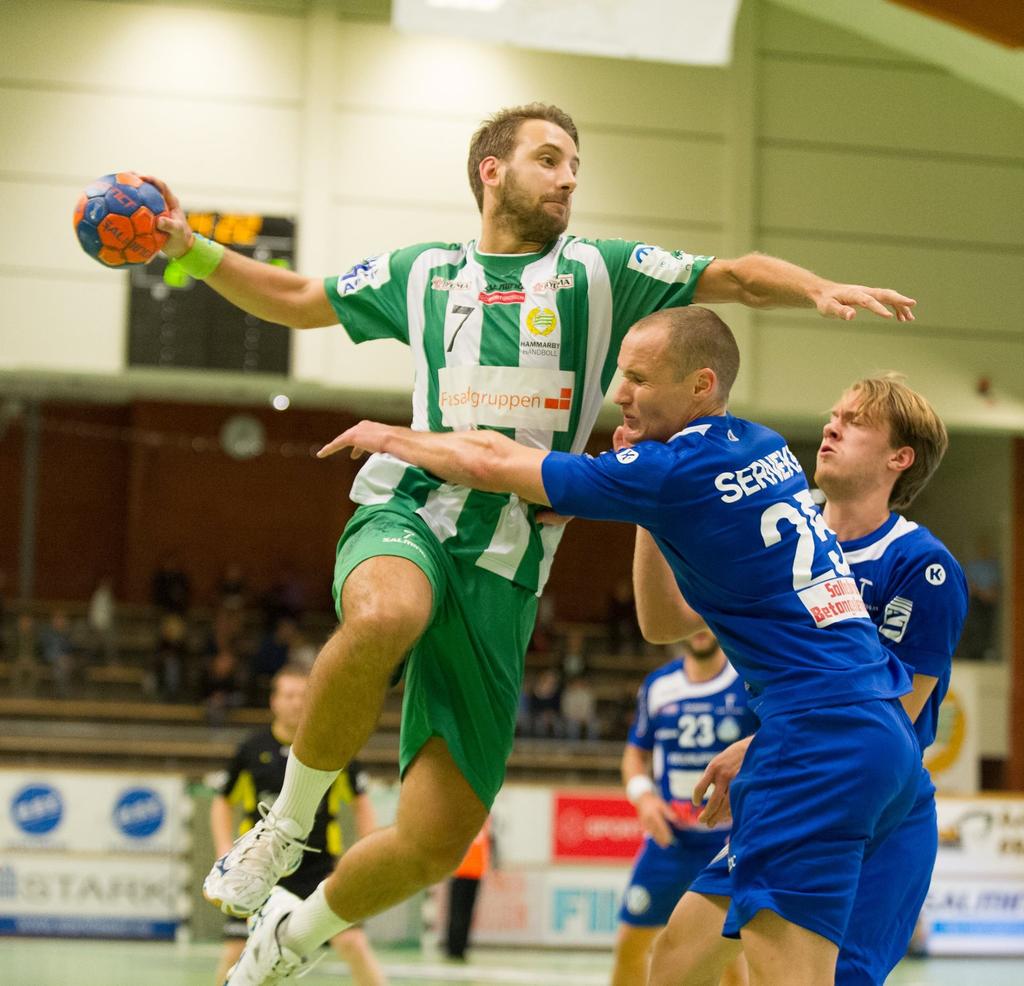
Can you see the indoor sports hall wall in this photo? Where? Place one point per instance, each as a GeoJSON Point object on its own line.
{"type": "Point", "coordinates": [113, 508]}
{"type": "Point", "coordinates": [815, 144]}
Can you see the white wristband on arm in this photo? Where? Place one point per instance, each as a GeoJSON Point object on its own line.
{"type": "Point", "coordinates": [638, 786]}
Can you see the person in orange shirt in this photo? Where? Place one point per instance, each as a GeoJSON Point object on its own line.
{"type": "Point", "coordinates": [462, 890]}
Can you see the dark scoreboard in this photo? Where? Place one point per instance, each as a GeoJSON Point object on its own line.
{"type": "Point", "coordinates": [175, 321]}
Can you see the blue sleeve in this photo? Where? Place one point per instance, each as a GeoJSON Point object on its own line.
{"type": "Point", "coordinates": [624, 485]}
{"type": "Point", "coordinates": [640, 733]}
{"type": "Point", "coordinates": [924, 613]}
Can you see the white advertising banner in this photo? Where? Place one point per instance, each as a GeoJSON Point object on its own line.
{"type": "Point", "coordinates": [564, 906]}
{"type": "Point", "coordinates": [976, 902]}
{"type": "Point", "coordinates": [59, 895]}
{"type": "Point", "coordinates": [92, 853]}
{"type": "Point", "coordinates": [85, 811]}
{"type": "Point", "coordinates": [521, 825]}
{"type": "Point", "coordinates": [981, 837]}
{"type": "Point", "coordinates": [974, 917]}
{"type": "Point", "coordinates": [563, 883]}
{"type": "Point", "coordinates": [692, 32]}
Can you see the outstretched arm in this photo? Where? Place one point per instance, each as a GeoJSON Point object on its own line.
{"type": "Point", "coordinates": [268, 292]}
{"type": "Point", "coordinates": [482, 460]}
{"type": "Point", "coordinates": [759, 281]}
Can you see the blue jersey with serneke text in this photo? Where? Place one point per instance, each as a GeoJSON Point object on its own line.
{"type": "Point", "coordinates": [916, 594]}
{"type": "Point", "coordinates": [728, 505]}
{"type": "Point", "coordinates": [683, 724]}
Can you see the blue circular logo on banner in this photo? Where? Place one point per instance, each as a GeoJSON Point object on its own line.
{"type": "Point", "coordinates": [139, 812]}
{"type": "Point", "coordinates": [37, 809]}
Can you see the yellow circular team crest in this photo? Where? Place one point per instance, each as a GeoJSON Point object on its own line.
{"type": "Point", "coordinates": [951, 733]}
{"type": "Point", "coordinates": [541, 321]}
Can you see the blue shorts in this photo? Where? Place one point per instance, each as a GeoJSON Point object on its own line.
{"type": "Point", "coordinates": [661, 875]}
{"type": "Point", "coordinates": [818, 793]}
{"type": "Point", "coordinates": [893, 885]}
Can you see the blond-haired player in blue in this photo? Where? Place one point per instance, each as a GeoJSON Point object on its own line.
{"type": "Point", "coordinates": [881, 445]}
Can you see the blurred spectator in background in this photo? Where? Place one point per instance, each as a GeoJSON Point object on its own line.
{"type": "Point", "coordinates": [171, 590]}
{"type": "Point", "coordinates": [462, 892]}
{"type": "Point", "coordinates": [301, 651]}
{"type": "Point", "coordinates": [271, 655]}
{"type": "Point", "coordinates": [623, 629]}
{"type": "Point", "coordinates": [543, 639]}
{"type": "Point", "coordinates": [225, 632]}
{"type": "Point", "coordinates": [573, 659]}
{"type": "Point", "coordinates": [524, 715]}
{"type": "Point", "coordinates": [546, 705]}
{"type": "Point", "coordinates": [233, 588]}
{"type": "Point", "coordinates": [3, 614]}
{"type": "Point", "coordinates": [621, 719]}
{"type": "Point", "coordinates": [984, 581]}
{"type": "Point", "coordinates": [101, 619]}
{"type": "Point", "coordinates": [170, 660]}
{"type": "Point", "coordinates": [25, 655]}
{"type": "Point", "coordinates": [222, 686]}
{"type": "Point", "coordinates": [285, 598]}
{"type": "Point", "coordinates": [57, 651]}
{"type": "Point", "coordinates": [579, 710]}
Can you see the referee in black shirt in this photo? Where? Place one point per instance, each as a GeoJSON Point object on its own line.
{"type": "Point", "coordinates": [256, 775]}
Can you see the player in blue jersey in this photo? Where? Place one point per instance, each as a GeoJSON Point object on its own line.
{"type": "Point", "coordinates": [833, 767]}
{"type": "Point", "coordinates": [688, 710]}
{"type": "Point", "coordinates": [916, 595]}
{"type": "Point", "coordinates": [880, 446]}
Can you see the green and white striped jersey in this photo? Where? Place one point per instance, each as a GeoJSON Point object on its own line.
{"type": "Point", "coordinates": [523, 343]}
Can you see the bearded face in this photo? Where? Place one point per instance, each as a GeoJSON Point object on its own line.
{"type": "Point", "coordinates": [531, 217]}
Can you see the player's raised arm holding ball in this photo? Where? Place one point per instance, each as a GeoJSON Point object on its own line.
{"type": "Point", "coordinates": [267, 291]}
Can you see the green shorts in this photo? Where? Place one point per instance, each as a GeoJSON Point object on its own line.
{"type": "Point", "coordinates": [464, 675]}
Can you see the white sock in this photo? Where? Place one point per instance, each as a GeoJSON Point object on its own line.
{"type": "Point", "coordinates": [311, 924]}
{"type": "Point", "coordinates": [304, 788]}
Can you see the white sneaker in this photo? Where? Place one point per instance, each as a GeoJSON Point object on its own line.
{"type": "Point", "coordinates": [265, 961]}
{"type": "Point", "coordinates": [241, 880]}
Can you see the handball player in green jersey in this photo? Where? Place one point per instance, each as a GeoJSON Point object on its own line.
{"type": "Point", "coordinates": [518, 331]}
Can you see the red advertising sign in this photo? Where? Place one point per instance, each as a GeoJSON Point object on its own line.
{"type": "Point", "coordinates": [592, 827]}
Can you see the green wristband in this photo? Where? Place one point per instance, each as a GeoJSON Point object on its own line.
{"type": "Point", "coordinates": [202, 258]}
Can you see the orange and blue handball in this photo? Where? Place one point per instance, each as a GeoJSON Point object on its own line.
{"type": "Point", "coordinates": [115, 220]}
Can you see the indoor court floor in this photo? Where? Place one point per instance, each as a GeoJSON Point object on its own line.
{"type": "Point", "coordinates": [28, 962]}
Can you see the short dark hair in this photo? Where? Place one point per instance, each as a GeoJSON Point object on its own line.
{"type": "Point", "coordinates": [698, 338]}
{"type": "Point", "coordinates": [496, 137]}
